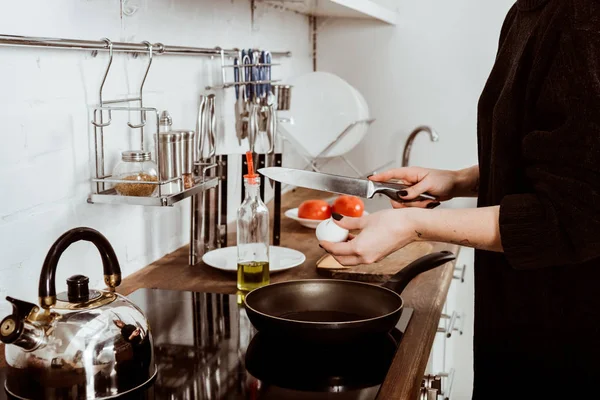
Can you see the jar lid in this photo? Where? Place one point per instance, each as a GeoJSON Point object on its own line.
{"type": "Point", "coordinates": [136, 155]}
{"type": "Point", "coordinates": [169, 137]}
{"type": "Point", "coordinates": [165, 118]}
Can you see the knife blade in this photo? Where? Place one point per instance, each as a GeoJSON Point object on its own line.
{"type": "Point", "coordinates": [338, 184]}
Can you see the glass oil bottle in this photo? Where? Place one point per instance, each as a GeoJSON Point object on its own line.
{"type": "Point", "coordinates": [252, 235]}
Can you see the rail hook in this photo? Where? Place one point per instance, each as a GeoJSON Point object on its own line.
{"type": "Point", "coordinates": [102, 124]}
{"type": "Point", "coordinates": [143, 113]}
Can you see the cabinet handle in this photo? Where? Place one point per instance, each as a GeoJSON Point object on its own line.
{"type": "Point", "coordinates": [442, 329]}
{"type": "Point", "coordinates": [432, 386]}
{"type": "Point", "coordinates": [428, 394]}
{"type": "Point", "coordinates": [462, 271]}
{"type": "Point", "coordinates": [452, 324]}
{"type": "Point", "coordinates": [432, 394]}
{"type": "Point", "coordinates": [447, 392]}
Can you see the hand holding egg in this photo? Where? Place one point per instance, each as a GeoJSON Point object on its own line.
{"type": "Point", "coordinates": [329, 231]}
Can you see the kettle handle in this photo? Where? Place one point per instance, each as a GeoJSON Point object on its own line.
{"type": "Point", "coordinates": [112, 270]}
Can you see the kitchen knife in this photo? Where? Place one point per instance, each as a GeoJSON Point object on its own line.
{"type": "Point", "coordinates": [338, 184]}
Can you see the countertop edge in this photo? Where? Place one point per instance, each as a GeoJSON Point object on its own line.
{"type": "Point", "coordinates": [427, 295]}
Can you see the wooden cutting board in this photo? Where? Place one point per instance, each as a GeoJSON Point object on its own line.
{"type": "Point", "coordinates": [378, 272]}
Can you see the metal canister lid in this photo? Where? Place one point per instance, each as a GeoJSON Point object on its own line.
{"type": "Point", "coordinates": [136, 155]}
{"type": "Point", "coordinates": [187, 135]}
{"type": "Point", "coordinates": [169, 137]}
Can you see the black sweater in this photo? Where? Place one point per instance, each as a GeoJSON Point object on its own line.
{"type": "Point", "coordinates": [537, 306]}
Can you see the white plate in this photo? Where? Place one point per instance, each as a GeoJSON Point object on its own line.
{"type": "Point", "coordinates": [280, 258]}
{"type": "Point", "coordinates": [364, 107]}
{"type": "Point", "coordinates": [323, 105]}
{"type": "Point", "coordinates": [309, 223]}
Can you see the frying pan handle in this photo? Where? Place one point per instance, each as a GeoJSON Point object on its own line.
{"type": "Point", "coordinates": [403, 277]}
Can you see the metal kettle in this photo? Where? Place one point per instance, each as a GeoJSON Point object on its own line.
{"type": "Point", "coordinates": [82, 343]}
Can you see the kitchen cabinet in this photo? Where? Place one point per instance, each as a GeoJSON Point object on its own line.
{"type": "Point", "coordinates": [451, 356]}
{"type": "Point", "coordinates": [363, 9]}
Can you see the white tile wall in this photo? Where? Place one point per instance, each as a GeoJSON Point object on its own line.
{"type": "Point", "coordinates": [429, 69]}
{"type": "Point", "coordinates": [45, 139]}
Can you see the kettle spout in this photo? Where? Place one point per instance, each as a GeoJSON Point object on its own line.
{"type": "Point", "coordinates": [16, 328]}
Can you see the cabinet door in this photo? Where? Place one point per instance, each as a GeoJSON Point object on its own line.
{"type": "Point", "coordinates": [459, 347]}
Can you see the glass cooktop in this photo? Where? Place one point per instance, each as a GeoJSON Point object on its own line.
{"type": "Point", "coordinates": [206, 348]}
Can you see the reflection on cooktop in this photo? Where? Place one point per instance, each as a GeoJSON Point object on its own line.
{"type": "Point", "coordinates": [325, 368]}
{"type": "Point", "coordinates": [206, 348]}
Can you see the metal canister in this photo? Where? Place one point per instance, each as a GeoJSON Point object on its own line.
{"type": "Point", "coordinates": [170, 160]}
{"type": "Point", "coordinates": [188, 154]}
{"type": "Point", "coordinates": [283, 94]}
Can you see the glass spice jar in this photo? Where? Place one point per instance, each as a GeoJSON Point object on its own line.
{"type": "Point", "coordinates": [136, 166]}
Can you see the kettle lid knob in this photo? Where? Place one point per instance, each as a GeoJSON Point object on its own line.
{"type": "Point", "coordinates": [78, 289]}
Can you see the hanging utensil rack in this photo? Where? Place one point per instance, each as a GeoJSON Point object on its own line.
{"type": "Point", "coordinates": [102, 118]}
{"type": "Point", "coordinates": [102, 112]}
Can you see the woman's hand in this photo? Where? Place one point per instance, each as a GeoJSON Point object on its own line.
{"type": "Point", "coordinates": [382, 233]}
{"type": "Point", "coordinates": [443, 185]}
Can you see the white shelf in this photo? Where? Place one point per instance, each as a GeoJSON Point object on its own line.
{"type": "Point", "coordinates": [364, 9]}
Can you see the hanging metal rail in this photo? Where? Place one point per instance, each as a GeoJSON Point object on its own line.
{"type": "Point", "coordinates": [101, 45]}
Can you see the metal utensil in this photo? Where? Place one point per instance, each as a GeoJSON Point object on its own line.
{"type": "Point", "coordinates": [247, 92]}
{"type": "Point", "coordinates": [320, 310]}
{"type": "Point", "coordinates": [283, 95]}
{"type": "Point", "coordinates": [239, 101]}
{"type": "Point", "coordinates": [268, 77]}
{"type": "Point", "coordinates": [253, 117]}
{"type": "Point", "coordinates": [337, 184]}
{"type": "Point", "coordinates": [271, 132]}
{"type": "Point", "coordinates": [256, 76]}
{"type": "Point", "coordinates": [212, 126]}
{"type": "Point", "coordinates": [200, 128]}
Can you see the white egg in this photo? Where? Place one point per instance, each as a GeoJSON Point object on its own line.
{"type": "Point", "coordinates": [329, 231]}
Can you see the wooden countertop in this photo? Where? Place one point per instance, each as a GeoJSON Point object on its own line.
{"type": "Point", "coordinates": [426, 294]}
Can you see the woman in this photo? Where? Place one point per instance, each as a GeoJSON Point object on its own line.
{"type": "Point", "coordinates": [536, 230]}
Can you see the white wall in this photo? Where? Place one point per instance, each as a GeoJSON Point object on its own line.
{"type": "Point", "coordinates": [45, 162]}
{"type": "Point", "coordinates": [429, 69]}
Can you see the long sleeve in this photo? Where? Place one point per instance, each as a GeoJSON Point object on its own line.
{"type": "Point", "coordinates": [558, 223]}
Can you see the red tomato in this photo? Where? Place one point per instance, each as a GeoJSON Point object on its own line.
{"type": "Point", "coordinates": [314, 209]}
{"type": "Point", "coordinates": [349, 206]}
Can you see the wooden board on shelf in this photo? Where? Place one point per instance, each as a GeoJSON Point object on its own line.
{"type": "Point", "coordinates": [378, 272]}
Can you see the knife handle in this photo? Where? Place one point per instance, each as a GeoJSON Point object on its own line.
{"type": "Point", "coordinates": [392, 190]}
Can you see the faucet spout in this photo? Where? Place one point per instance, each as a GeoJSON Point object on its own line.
{"type": "Point", "coordinates": [433, 135]}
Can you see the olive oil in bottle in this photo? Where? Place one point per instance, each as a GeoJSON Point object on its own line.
{"type": "Point", "coordinates": [252, 274]}
{"type": "Point", "coordinates": [252, 235]}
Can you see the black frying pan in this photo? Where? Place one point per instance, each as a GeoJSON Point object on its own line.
{"type": "Point", "coordinates": [326, 310]}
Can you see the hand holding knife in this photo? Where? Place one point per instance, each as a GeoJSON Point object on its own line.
{"type": "Point", "coordinates": [339, 184]}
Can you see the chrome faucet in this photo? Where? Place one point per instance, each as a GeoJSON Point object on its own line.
{"type": "Point", "coordinates": [407, 147]}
